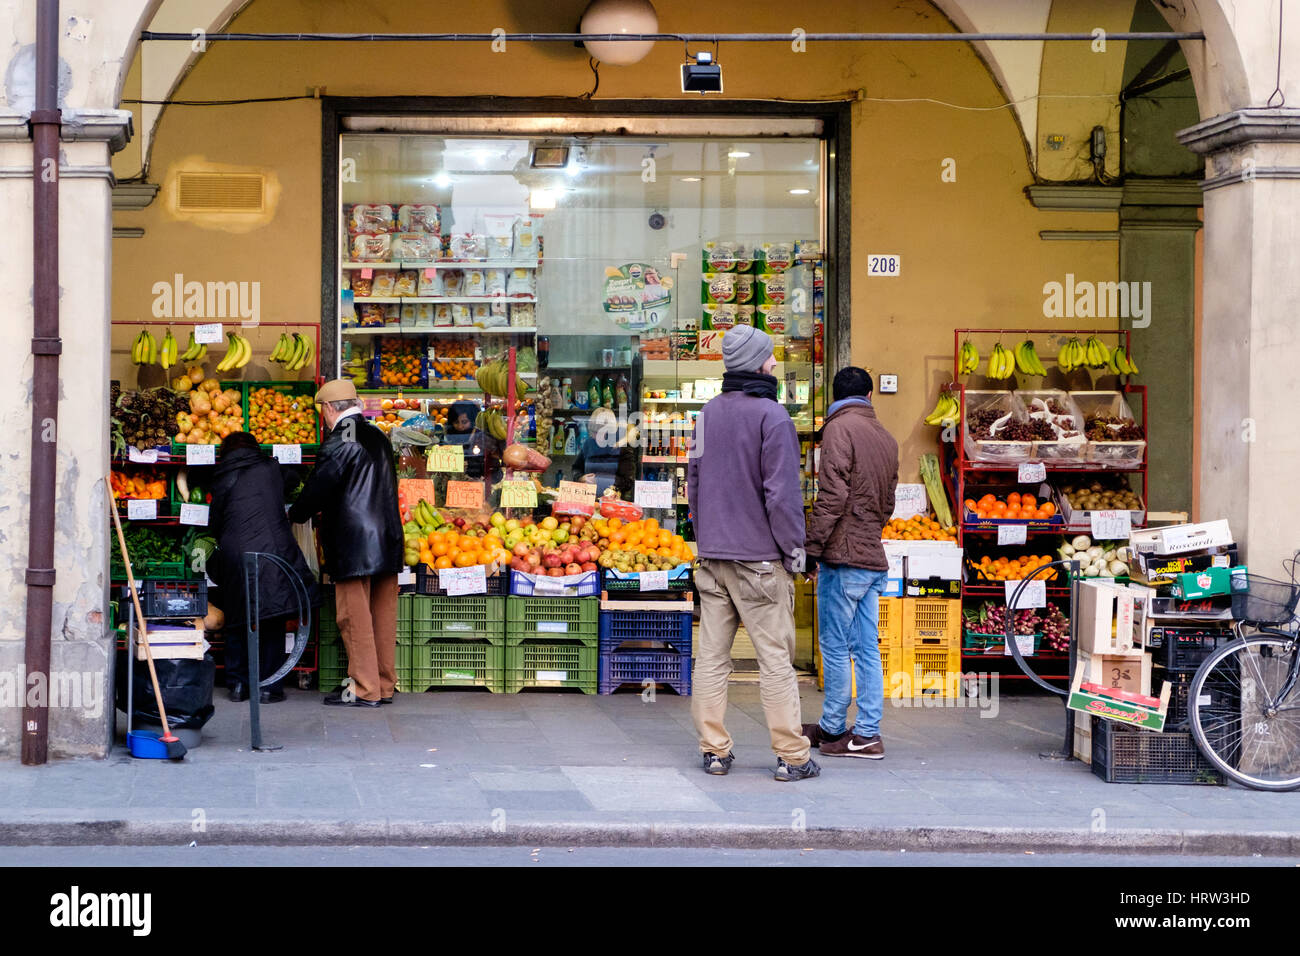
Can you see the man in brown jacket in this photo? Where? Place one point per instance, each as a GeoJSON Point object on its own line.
{"type": "Point", "coordinates": [855, 498]}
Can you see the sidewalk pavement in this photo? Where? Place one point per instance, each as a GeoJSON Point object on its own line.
{"type": "Point", "coordinates": [542, 768]}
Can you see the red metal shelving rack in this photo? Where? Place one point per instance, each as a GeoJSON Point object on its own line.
{"type": "Point", "coordinates": [956, 468]}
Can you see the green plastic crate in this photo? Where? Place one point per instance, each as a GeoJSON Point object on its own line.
{"type": "Point", "coordinates": [331, 665]}
{"type": "Point", "coordinates": [305, 388]}
{"type": "Point", "coordinates": [552, 618]}
{"type": "Point", "coordinates": [547, 663]}
{"type": "Point", "coordinates": [460, 663]}
{"type": "Point", "coordinates": [463, 617]}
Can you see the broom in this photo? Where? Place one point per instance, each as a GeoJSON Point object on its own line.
{"type": "Point", "coordinates": [175, 749]}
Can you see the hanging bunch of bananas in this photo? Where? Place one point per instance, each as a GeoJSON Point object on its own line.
{"type": "Point", "coordinates": [1002, 363]}
{"type": "Point", "coordinates": [490, 422]}
{"type": "Point", "coordinates": [194, 352]}
{"type": "Point", "coordinates": [1072, 355]}
{"type": "Point", "coordinates": [1027, 359]}
{"type": "Point", "coordinates": [969, 359]}
{"type": "Point", "coordinates": [494, 378]}
{"type": "Point", "coordinates": [237, 354]}
{"type": "Point", "coordinates": [167, 352]}
{"type": "Point", "coordinates": [1096, 353]}
{"type": "Point", "coordinates": [145, 349]}
{"type": "Point", "coordinates": [1121, 363]}
{"type": "Point", "coordinates": [293, 351]}
{"type": "Point", "coordinates": [946, 412]}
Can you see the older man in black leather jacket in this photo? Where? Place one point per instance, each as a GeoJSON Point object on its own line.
{"type": "Point", "coordinates": [354, 490]}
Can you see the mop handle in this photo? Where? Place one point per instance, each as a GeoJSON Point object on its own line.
{"type": "Point", "coordinates": [139, 613]}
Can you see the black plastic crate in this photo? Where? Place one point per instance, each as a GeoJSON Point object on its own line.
{"type": "Point", "coordinates": [1181, 648]}
{"type": "Point", "coordinates": [1122, 754]}
{"type": "Point", "coordinates": [426, 582]}
{"type": "Point", "coordinates": [171, 598]}
{"type": "Point", "coordinates": [1224, 701]}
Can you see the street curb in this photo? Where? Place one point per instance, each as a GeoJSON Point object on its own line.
{"type": "Point", "coordinates": [123, 832]}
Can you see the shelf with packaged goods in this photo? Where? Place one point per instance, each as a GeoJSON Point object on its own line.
{"type": "Point", "coordinates": [440, 330]}
{"type": "Point", "coordinates": [414, 264]}
{"type": "Point", "coordinates": [444, 299]}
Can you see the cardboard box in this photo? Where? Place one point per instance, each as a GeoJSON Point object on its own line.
{"type": "Point", "coordinates": [1182, 538]}
{"type": "Point", "coordinates": [173, 642]}
{"type": "Point", "coordinates": [1107, 622]}
{"type": "Point", "coordinates": [1130, 672]}
{"type": "Point", "coordinates": [1119, 711]}
{"type": "Point", "coordinates": [1211, 582]}
{"type": "Point", "coordinates": [943, 563]}
{"type": "Point", "coordinates": [894, 583]}
{"type": "Point", "coordinates": [1162, 569]}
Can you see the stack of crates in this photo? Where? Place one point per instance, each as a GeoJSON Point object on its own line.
{"type": "Point", "coordinates": [552, 642]}
{"type": "Point", "coordinates": [893, 669]}
{"type": "Point", "coordinates": [645, 644]}
{"type": "Point", "coordinates": [331, 658]}
{"type": "Point", "coordinates": [931, 648]}
{"type": "Point", "coordinates": [455, 641]}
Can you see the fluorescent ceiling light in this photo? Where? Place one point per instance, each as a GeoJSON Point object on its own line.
{"type": "Point", "coordinates": [800, 192]}
{"type": "Point", "coordinates": [738, 154]}
{"type": "Point", "coordinates": [441, 180]}
{"type": "Point", "coordinates": [690, 179]}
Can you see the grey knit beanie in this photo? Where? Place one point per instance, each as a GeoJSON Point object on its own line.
{"type": "Point", "coordinates": [745, 348]}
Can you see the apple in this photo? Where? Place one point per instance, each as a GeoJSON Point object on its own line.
{"type": "Point", "coordinates": [534, 559]}
{"type": "Point", "coordinates": [519, 564]}
{"type": "Point", "coordinates": [482, 524]}
{"type": "Point", "coordinates": [494, 532]}
{"type": "Point", "coordinates": [573, 569]}
{"type": "Point", "coordinates": [512, 524]}
{"type": "Point", "coordinates": [589, 566]}
{"type": "Point", "coordinates": [550, 523]}
{"type": "Point", "coordinates": [560, 535]}
{"type": "Point", "coordinates": [459, 522]}
{"type": "Point", "coordinates": [520, 549]}
{"type": "Point", "coordinates": [552, 561]}
{"type": "Point", "coordinates": [498, 519]}
{"type": "Point", "coordinates": [576, 523]}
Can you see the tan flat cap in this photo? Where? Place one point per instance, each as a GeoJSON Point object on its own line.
{"type": "Point", "coordinates": [336, 391]}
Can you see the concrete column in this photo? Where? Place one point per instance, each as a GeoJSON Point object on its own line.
{"type": "Point", "coordinates": [1250, 339]}
{"type": "Point", "coordinates": [81, 710]}
{"type": "Point", "coordinates": [1158, 222]}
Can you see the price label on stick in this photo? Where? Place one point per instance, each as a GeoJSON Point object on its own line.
{"type": "Point", "coordinates": [654, 580]}
{"type": "Point", "coordinates": [1034, 595]}
{"type": "Point", "coordinates": [578, 492]}
{"type": "Point", "coordinates": [471, 580]}
{"type": "Point", "coordinates": [208, 334]}
{"type": "Point", "coordinates": [141, 509]}
{"type": "Point", "coordinates": [1011, 533]}
{"type": "Point", "coordinates": [653, 494]}
{"type": "Point", "coordinates": [1023, 641]}
{"type": "Point", "coordinates": [1030, 473]}
{"type": "Point", "coordinates": [200, 454]}
{"type": "Point", "coordinates": [518, 494]}
{"type": "Point", "coordinates": [287, 454]}
{"type": "Point", "coordinates": [910, 500]}
{"type": "Point", "coordinates": [1111, 524]}
{"type": "Point", "coordinates": [465, 494]}
{"type": "Point", "coordinates": [147, 457]}
{"type": "Point", "coordinates": [195, 515]}
{"type": "Point", "coordinates": [448, 458]}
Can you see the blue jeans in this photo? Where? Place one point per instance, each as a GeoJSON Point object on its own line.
{"type": "Point", "coordinates": [847, 620]}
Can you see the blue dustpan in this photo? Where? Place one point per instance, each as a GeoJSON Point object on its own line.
{"type": "Point", "coordinates": [146, 744]}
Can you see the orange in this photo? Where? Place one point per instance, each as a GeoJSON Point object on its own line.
{"type": "Point", "coordinates": [1013, 499]}
{"type": "Point", "coordinates": [970, 504]}
{"type": "Point", "coordinates": [1049, 507]}
{"type": "Point", "coordinates": [1028, 501]}
{"type": "Point", "coordinates": [438, 546]}
{"type": "Point", "coordinates": [650, 524]}
{"type": "Point", "coordinates": [442, 562]}
{"type": "Point", "coordinates": [465, 559]}
{"type": "Point", "coordinates": [615, 524]}
{"type": "Point", "coordinates": [426, 557]}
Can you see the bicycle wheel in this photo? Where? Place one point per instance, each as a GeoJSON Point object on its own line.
{"type": "Point", "coordinates": [1238, 720]}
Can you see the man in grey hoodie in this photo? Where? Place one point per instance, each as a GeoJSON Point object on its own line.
{"type": "Point", "coordinates": [747, 509]}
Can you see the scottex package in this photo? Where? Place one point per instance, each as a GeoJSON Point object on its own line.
{"type": "Point", "coordinates": [726, 256]}
{"type": "Point", "coordinates": [718, 287]}
{"type": "Point", "coordinates": [770, 288]}
{"type": "Point", "coordinates": [770, 318]}
{"type": "Point", "coordinates": [745, 288]}
{"type": "Point", "coordinates": [774, 257]}
{"type": "Point", "coordinates": [719, 315]}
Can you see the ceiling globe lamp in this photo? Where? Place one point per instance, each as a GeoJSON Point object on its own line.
{"type": "Point", "coordinates": [619, 16]}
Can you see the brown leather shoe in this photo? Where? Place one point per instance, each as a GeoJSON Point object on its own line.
{"type": "Point", "coordinates": [851, 745]}
{"type": "Point", "coordinates": [814, 734]}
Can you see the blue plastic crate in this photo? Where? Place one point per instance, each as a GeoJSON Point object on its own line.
{"type": "Point", "coordinates": [636, 667]}
{"type": "Point", "coordinates": [667, 629]}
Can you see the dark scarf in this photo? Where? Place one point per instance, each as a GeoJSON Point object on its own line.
{"type": "Point", "coordinates": [751, 383]}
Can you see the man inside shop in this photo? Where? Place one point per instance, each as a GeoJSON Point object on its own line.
{"type": "Point", "coordinates": [353, 489]}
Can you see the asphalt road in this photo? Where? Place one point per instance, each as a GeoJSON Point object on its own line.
{"type": "Point", "coordinates": [273, 856]}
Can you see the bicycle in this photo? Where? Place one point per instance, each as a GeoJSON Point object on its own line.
{"type": "Point", "coordinates": [1244, 700]}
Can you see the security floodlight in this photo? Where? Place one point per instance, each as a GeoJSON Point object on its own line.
{"type": "Point", "coordinates": [702, 75]}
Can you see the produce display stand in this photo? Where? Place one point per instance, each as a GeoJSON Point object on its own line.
{"type": "Point", "coordinates": [961, 474]}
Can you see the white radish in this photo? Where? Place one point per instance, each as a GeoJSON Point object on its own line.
{"type": "Point", "coordinates": [1081, 543]}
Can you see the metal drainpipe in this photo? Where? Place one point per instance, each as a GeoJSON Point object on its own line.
{"type": "Point", "coordinates": [46, 346]}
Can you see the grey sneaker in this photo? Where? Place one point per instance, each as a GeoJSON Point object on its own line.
{"type": "Point", "coordinates": [718, 766]}
{"type": "Point", "coordinates": [851, 745]}
{"type": "Point", "coordinates": [787, 773]}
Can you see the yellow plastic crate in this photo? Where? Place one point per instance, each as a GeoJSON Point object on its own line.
{"type": "Point", "coordinates": [891, 661]}
{"type": "Point", "coordinates": [890, 619]}
{"type": "Point", "coordinates": [928, 672]}
{"type": "Point", "coordinates": [933, 623]}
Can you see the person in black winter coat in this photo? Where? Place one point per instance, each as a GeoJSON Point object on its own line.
{"type": "Point", "coordinates": [247, 514]}
{"type": "Point", "coordinates": [354, 490]}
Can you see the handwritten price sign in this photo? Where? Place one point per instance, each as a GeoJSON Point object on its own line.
{"type": "Point", "coordinates": [200, 454]}
{"type": "Point", "coordinates": [577, 492]}
{"type": "Point", "coordinates": [465, 494]}
{"type": "Point", "coordinates": [518, 494]}
{"type": "Point", "coordinates": [471, 580]}
{"type": "Point", "coordinates": [447, 458]}
{"type": "Point", "coordinates": [653, 494]}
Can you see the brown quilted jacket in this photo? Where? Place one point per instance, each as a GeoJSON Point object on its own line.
{"type": "Point", "coordinates": [855, 497]}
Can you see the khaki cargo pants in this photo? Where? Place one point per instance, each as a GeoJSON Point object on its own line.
{"type": "Point", "coordinates": [759, 594]}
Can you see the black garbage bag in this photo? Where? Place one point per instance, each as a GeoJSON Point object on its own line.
{"type": "Point", "coordinates": [186, 689]}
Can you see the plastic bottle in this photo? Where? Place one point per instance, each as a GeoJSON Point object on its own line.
{"type": "Point", "coordinates": [620, 392]}
{"type": "Point", "coordinates": [571, 442]}
{"type": "Point", "coordinates": [582, 434]}
{"type": "Point", "coordinates": [557, 439]}
{"type": "Point", "coordinates": [581, 398]}
{"type": "Point", "coordinates": [608, 401]}
{"type": "Point", "coordinates": [594, 392]}
{"type": "Point", "coordinates": [566, 393]}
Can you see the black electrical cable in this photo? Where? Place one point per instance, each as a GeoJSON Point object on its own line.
{"type": "Point", "coordinates": [261, 99]}
{"type": "Point", "coordinates": [595, 71]}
